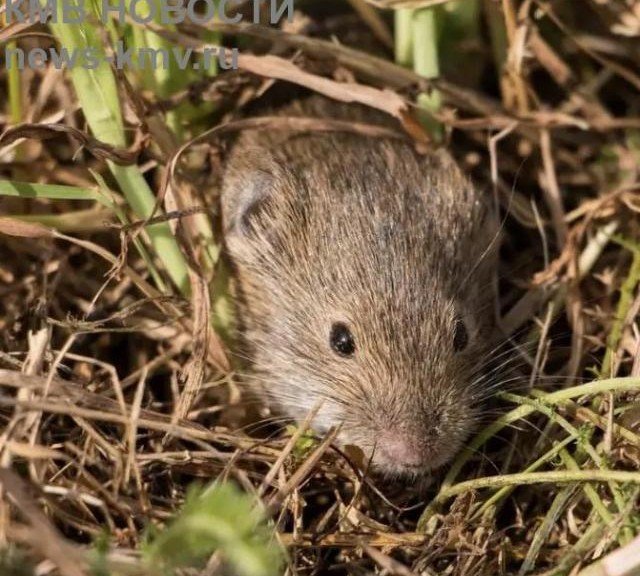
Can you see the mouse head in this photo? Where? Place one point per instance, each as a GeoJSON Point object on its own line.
{"type": "Point", "coordinates": [364, 278]}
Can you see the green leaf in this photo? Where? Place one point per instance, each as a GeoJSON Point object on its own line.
{"type": "Point", "coordinates": [223, 519]}
{"type": "Point", "coordinates": [51, 192]}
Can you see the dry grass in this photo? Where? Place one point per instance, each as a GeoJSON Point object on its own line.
{"type": "Point", "coordinates": [117, 393]}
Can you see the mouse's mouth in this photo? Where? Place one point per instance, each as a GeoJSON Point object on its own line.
{"type": "Point", "coordinates": [400, 469]}
{"type": "Point", "coordinates": [400, 459]}
{"type": "Point", "coordinates": [406, 447]}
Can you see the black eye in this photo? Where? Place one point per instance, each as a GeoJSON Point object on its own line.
{"type": "Point", "coordinates": [460, 336]}
{"type": "Point", "coordinates": [342, 340]}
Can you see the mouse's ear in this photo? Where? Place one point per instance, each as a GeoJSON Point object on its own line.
{"type": "Point", "coordinates": [246, 198]}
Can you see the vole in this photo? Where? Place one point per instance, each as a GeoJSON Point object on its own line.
{"type": "Point", "coordinates": [363, 272]}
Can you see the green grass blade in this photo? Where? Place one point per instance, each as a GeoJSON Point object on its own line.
{"type": "Point", "coordinates": [404, 37]}
{"type": "Point", "coordinates": [15, 88]}
{"type": "Point", "coordinates": [140, 198]}
{"type": "Point", "coordinates": [98, 95]}
{"type": "Point", "coordinates": [521, 412]}
{"type": "Point", "coordinates": [426, 63]}
{"type": "Point", "coordinates": [51, 192]}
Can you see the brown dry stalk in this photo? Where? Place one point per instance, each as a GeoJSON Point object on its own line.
{"type": "Point", "coordinates": [395, 4]}
{"type": "Point", "coordinates": [355, 539]}
{"type": "Point", "coordinates": [74, 400]}
{"type": "Point", "coordinates": [202, 334]}
{"type": "Point", "coordinates": [44, 536]}
{"type": "Point", "coordinates": [101, 150]}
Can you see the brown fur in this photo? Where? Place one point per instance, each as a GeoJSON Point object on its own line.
{"type": "Point", "coordinates": [323, 228]}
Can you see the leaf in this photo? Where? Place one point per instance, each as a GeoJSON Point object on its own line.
{"type": "Point", "coordinates": [96, 88]}
{"type": "Point", "coordinates": [221, 518]}
{"type": "Point", "coordinates": [13, 227]}
{"type": "Point", "coordinates": [271, 66]}
{"type": "Point", "coordinates": [50, 191]}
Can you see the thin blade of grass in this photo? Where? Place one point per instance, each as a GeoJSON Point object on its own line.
{"type": "Point", "coordinates": [51, 192]}
{"type": "Point", "coordinates": [542, 533]}
{"type": "Point", "coordinates": [97, 93]}
{"type": "Point", "coordinates": [612, 384]}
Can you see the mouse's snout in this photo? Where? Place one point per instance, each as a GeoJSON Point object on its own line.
{"type": "Point", "coordinates": [401, 449]}
{"type": "Point", "coordinates": [412, 451]}
{"type": "Point", "coordinates": [417, 439]}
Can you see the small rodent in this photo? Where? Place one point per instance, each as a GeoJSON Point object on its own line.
{"type": "Point", "coordinates": [363, 272]}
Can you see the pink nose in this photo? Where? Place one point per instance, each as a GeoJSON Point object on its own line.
{"type": "Point", "coordinates": [397, 448]}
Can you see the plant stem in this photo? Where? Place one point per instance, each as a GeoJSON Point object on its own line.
{"type": "Point", "coordinates": [425, 43]}
{"type": "Point", "coordinates": [504, 492]}
{"type": "Point", "coordinates": [98, 95]}
{"type": "Point", "coordinates": [624, 305]}
{"type": "Point", "coordinates": [541, 535]}
{"type": "Point", "coordinates": [526, 478]}
{"type": "Point", "coordinates": [426, 63]}
{"type": "Point", "coordinates": [15, 88]}
{"type": "Point", "coordinates": [519, 413]}
{"type": "Point", "coordinates": [590, 492]}
{"type": "Point", "coordinates": [404, 36]}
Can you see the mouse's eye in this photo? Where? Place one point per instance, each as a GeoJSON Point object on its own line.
{"type": "Point", "coordinates": [341, 339]}
{"type": "Point", "coordinates": [460, 336]}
